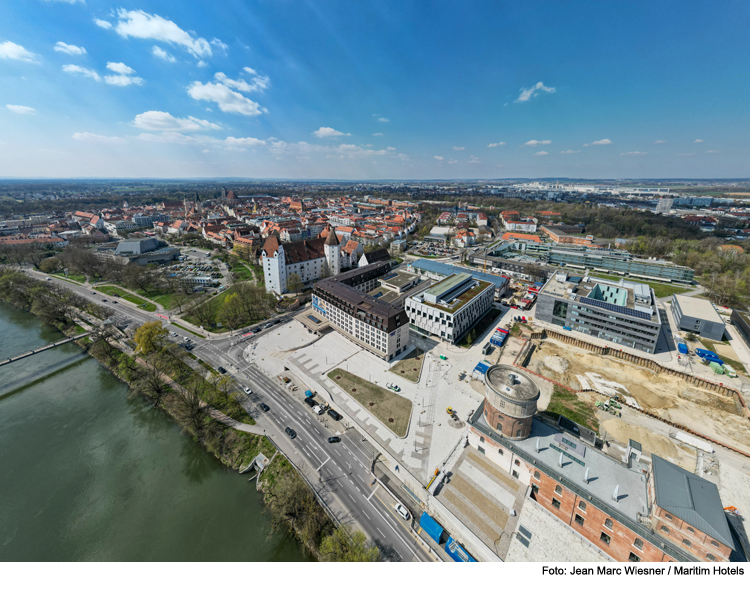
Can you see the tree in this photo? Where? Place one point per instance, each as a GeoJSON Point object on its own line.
{"type": "Point", "coordinates": [224, 386]}
{"type": "Point", "coordinates": [232, 312]}
{"type": "Point", "coordinates": [150, 337]}
{"type": "Point", "coordinates": [294, 283]}
{"type": "Point", "coordinates": [190, 408]}
{"type": "Point", "coordinates": [50, 265]}
{"type": "Point", "coordinates": [343, 544]}
{"type": "Point", "coordinates": [151, 382]}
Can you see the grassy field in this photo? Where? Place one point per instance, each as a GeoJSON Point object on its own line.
{"type": "Point", "coordinates": [188, 330]}
{"type": "Point", "coordinates": [473, 335]}
{"type": "Point", "coordinates": [660, 289]}
{"type": "Point", "coordinates": [388, 407]}
{"type": "Point", "coordinates": [72, 277]}
{"type": "Point", "coordinates": [566, 403]}
{"type": "Point", "coordinates": [410, 367]}
{"type": "Point", "coordinates": [116, 291]}
{"type": "Point", "coordinates": [736, 365]}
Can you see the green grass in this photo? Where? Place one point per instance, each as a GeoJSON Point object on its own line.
{"type": "Point", "coordinates": [117, 291]}
{"type": "Point", "coordinates": [566, 403]}
{"type": "Point", "coordinates": [390, 408]}
{"type": "Point", "coordinates": [410, 367]}
{"type": "Point", "coordinates": [473, 335]}
{"type": "Point", "coordinates": [736, 365]}
{"type": "Point", "coordinates": [72, 277]}
{"type": "Point", "coordinates": [187, 330]}
{"type": "Point", "coordinates": [660, 289]}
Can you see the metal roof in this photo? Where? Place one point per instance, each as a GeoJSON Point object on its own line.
{"type": "Point", "coordinates": [448, 269]}
{"type": "Point", "coordinates": [691, 498]}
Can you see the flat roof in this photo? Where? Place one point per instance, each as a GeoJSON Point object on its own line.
{"type": "Point", "coordinates": [444, 269]}
{"type": "Point", "coordinates": [448, 284]}
{"type": "Point", "coordinates": [698, 308]}
{"type": "Point", "coordinates": [398, 278]}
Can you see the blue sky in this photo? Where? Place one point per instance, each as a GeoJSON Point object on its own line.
{"type": "Point", "coordinates": [374, 89]}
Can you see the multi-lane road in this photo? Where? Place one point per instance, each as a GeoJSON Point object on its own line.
{"type": "Point", "coordinates": [339, 472]}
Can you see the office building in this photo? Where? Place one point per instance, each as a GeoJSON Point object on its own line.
{"type": "Point", "coordinates": [622, 313]}
{"type": "Point", "coordinates": [697, 315]}
{"type": "Point", "coordinates": [451, 307]}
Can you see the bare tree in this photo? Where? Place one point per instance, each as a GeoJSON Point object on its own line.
{"type": "Point", "coordinates": [192, 412]}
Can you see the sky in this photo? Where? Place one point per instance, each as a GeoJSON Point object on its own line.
{"type": "Point", "coordinates": [369, 90]}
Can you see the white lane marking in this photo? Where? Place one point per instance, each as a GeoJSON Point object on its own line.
{"type": "Point", "coordinates": [381, 532]}
{"type": "Point", "coordinates": [392, 528]}
{"type": "Point", "coordinates": [335, 451]}
{"type": "Point", "coordinates": [305, 450]}
{"type": "Point", "coordinates": [323, 463]}
{"type": "Point", "coordinates": [360, 479]}
{"type": "Point", "coordinates": [373, 492]}
{"type": "Point", "coordinates": [353, 500]}
{"type": "Point", "coordinates": [350, 465]}
{"type": "Point", "coordinates": [367, 515]}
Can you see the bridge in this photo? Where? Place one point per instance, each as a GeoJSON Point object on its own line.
{"type": "Point", "coordinates": [38, 350]}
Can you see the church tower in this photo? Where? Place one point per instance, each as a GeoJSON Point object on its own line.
{"type": "Point", "coordinates": [332, 249]}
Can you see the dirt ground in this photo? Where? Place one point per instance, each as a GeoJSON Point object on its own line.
{"type": "Point", "coordinates": [666, 396]}
{"type": "Point", "coordinates": [651, 442]}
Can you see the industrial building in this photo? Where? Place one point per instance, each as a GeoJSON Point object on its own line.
{"type": "Point", "coordinates": [640, 508]}
{"type": "Point", "coordinates": [451, 307]}
{"type": "Point", "coordinates": [621, 312]}
{"type": "Point", "coordinates": [697, 315]}
{"type": "Point", "coordinates": [140, 251]}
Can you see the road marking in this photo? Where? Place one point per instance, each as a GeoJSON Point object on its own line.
{"type": "Point", "coordinates": [352, 497]}
{"type": "Point", "coordinates": [335, 451]}
{"type": "Point", "coordinates": [381, 532]}
{"type": "Point", "coordinates": [390, 525]}
{"type": "Point", "coordinates": [367, 515]}
{"type": "Point", "coordinates": [350, 465]}
{"type": "Point", "coordinates": [323, 463]}
{"type": "Point", "coordinates": [373, 491]}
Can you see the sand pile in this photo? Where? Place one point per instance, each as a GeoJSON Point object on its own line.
{"type": "Point", "coordinates": [556, 363]}
{"type": "Point", "coordinates": [651, 442]}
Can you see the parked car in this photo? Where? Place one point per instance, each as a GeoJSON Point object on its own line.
{"type": "Point", "coordinates": [393, 387]}
{"type": "Point", "coordinates": [173, 334]}
{"type": "Point", "coordinates": [334, 439]}
{"type": "Point", "coordinates": [264, 407]}
{"type": "Point", "coordinates": [290, 432]}
{"type": "Point", "coordinates": [402, 511]}
{"type": "Point", "coordinates": [318, 410]}
{"type": "Point", "coordinates": [248, 391]}
{"type": "Point", "coordinates": [222, 370]}
{"type": "Point", "coordinates": [334, 414]}
{"type": "Point", "coordinates": [310, 402]}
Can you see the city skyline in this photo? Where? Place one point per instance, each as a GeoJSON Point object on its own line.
{"type": "Point", "coordinates": [368, 91]}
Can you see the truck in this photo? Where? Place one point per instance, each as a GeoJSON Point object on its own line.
{"type": "Point", "coordinates": [498, 337]}
{"type": "Point", "coordinates": [681, 345]}
{"type": "Point", "coordinates": [707, 355]}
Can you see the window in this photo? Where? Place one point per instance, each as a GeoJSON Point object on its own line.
{"type": "Point", "coordinates": [537, 475]}
{"type": "Point", "coordinates": [710, 557]}
{"type": "Point", "coordinates": [608, 523]}
{"type": "Point", "coordinates": [500, 451]}
{"type": "Point", "coordinates": [579, 519]}
{"type": "Point", "coordinates": [517, 462]}
{"type": "Point", "coordinates": [633, 557]}
{"type": "Point", "coordinates": [714, 543]}
{"type": "Point", "coordinates": [667, 516]}
{"type": "Point", "coordinates": [481, 439]}
{"type": "Point", "coordinates": [691, 529]}
{"type": "Point", "coordinates": [687, 543]}
{"type": "Point", "coordinates": [481, 450]}
{"type": "Point", "coordinates": [638, 543]}
{"type": "Point", "coordinates": [556, 503]}
{"type": "Point", "coordinates": [664, 530]}
{"type": "Point", "coordinates": [582, 505]}
{"type": "Point", "coordinates": [604, 538]}
{"type": "Point", "coordinates": [558, 490]}
{"type": "Point", "coordinates": [515, 474]}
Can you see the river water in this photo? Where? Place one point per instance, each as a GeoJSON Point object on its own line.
{"type": "Point", "coordinates": [87, 474]}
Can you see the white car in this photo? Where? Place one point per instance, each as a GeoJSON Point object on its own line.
{"type": "Point", "coordinates": [318, 410]}
{"type": "Point", "coordinates": [402, 511]}
{"type": "Point", "coordinates": [393, 387]}
{"type": "Point", "coordinates": [174, 334]}
{"type": "Point", "coordinates": [248, 391]}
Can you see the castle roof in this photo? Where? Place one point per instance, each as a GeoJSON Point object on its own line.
{"type": "Point", "coordinates": [332, 239]}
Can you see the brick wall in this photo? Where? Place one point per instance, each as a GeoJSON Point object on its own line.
{"type": "Point", "coordinates": [678, 531]}
{"type": "Point", "coordinates": [513, 428]}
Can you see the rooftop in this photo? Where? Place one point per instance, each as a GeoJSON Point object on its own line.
{"type": "Point", "coordinates": [510, 383]}
{"type": "Point", "coordinates": [698, 308]}
{"type": "Point", "coordinates": [444, 269]}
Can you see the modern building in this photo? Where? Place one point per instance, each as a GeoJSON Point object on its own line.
{"type": "Point", "coordinates": [439, 270]}
{"type": "Point", "coordinates": [140, 251]}
{"type": "Point", "coordinates": [639, 508]}
{"type": "Point", "coordinates": [560, 236]}
{"type": "Point", "coordinates": [697, 315]}
{"type": "Point", "coordinates": [741, 321]}
{"type": "Point", "coordinates": [451, 307]}
{"type": "Point", "coordinates": [623, 313]}
{"type": "Point", "coordinates": [375, 325]}
{"type": "Point", "coordinates": [664, 205]}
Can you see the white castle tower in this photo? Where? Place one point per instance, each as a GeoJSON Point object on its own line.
{"type": "Point", "coordinates": [332, 249]}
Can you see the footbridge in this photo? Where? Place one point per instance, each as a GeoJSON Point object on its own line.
{"type": "Point", "coordinates": [38, 350]}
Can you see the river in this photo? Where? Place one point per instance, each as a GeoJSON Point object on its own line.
{"type": "Point", "coordinates": [89, 474]}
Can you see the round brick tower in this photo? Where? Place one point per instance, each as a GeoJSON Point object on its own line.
{"type": "Point", "coordinates": [510, 401]}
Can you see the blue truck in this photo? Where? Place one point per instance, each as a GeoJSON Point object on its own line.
{"type": "Point", "coordinates": [708, 356]}
{"type": "Point", "coordinates": [498, 338]}
{"type": "Point", "coordinates": [681, 345]}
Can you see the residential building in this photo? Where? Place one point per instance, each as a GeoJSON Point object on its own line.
{"type": "Point", "coordinates": [697, 315]}
{"type": "Point", "coordinates": [623, 313]}
{"type": "Point", "coordinates": [560, 237]}
{"type": "Point", "coordinates": [451, 307]}
{"type": "Point", "coordinates": [378, 255]}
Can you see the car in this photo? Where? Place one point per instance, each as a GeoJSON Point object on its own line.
{"type": "Point", "coordinates": [248, 391]}
{"type": "Point", "coordinates": [48, 279]}
{"type": "Point", "coordinates": [310, 402]}
{"type": "Point", "coordinates": [104, 301]}
{"type": "Point", "coordinates": [334, 414]}
{"type": "Point", "coordinates": [318, 410]}
{"type": "Point", "coordinates": [173, 334]}
{"type": "Point", "coordinates": [113, 301]}
{"type": "Point", "coordinates": [93, 292]}
{"type": "Point", "coordinates": [402, 511]}
{"type": "Point", "coordinates": [189, 347]}
{"type": "Point", "coordinates": [393, 387]}
{"type": "Point", "coordinates": [264, 407]}
{"type": "Point", "coordinates": [290, 432]}
{"type": "Point", "coordinates": [222, 370]}
{"type": "Point", "coordinates": [334, 439]}
{"type": "Point", "coordinates": [185, 339]}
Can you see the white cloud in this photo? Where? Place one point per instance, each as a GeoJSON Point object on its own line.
{"type": "Point", "coordinates": [458, 149]}
{"type": "Point", "coordinates": [93, 138]}
{"type": "Point", "coordinates": [328, 132]}
{"type": "Point", "coordinates": [202, 64]}
{"type": "Point", "coordinates": [69, 49]}
{"type": "Point", "coordinates": [439, 158]}
{"type": "Point", "coordinates": [21, 110]}
{"type": "Point", "coordinates": [390, 149]}
{"type": "Point", "coordinates": [141, 25]}
{"type": "Point", "coordinates": [244, 141]}
{"type": "Point", "coordinates": [67, 1]}
{"type": "Point", "coordinates": [104, 24]}
{"type": "Point", "coordinates": [258, 84]}
{"type": "Point", "coordinates": [541, 153]}
{"type": "Point", "coordinates": [534, 142]}
{"type": "Point", "coordinates": [598, 142]}
{"type": "Point", "coordinates": [453, 161]}
{"type": "Point", "coordinates": [220, 44]}
{"type": "Point", "coordinates": [87, 72]}
{"type": "Point", "coordinates": [698, 141]}
{"type": "Point", "coordinates": [712, 152]}
{"type": "Point", "coordinates": [499, 143]}
{"type": "Point", "coordinates": [162, 121]}
{"type": "Point", "coordinates": [377, 134]}
{"type": "Point", "coordinates": [250, 71]}
{"type": "Point", "coordinates": [661, 141]}
{"type": "Point", "coordinates": [120, 68]}
{"type": "Point", "coordinates": [384, 120]}
{"type": "Point", "coordinates": [474, 160]}
{"type": "Point", "coordinates": [168, 137]}
{"type": "Point", "coordinates": [528, 93]}
{"type": "Point", "coordinates": [10, 50]}
{"type": "Point", "coordinates": [227, 99]}
{"type": "Point", "coordinates": [634, 154]}
{"type": "Point", "coordinates": [570, 152]}
{"type": "Point", "coordinates": [157, 51]}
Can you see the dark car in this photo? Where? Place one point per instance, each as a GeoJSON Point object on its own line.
{"type": "Point", "coordinates": [334, 414]}
{"type": "Point", "coordinates": [290, 432]}
{"type": "Point", "coordinates": [311, 401]}
{"type": "Point", "coordinates": [222, 370]}
{"type": "Point", "coordinates": [264, 407]}
{"type": "Point", "coordinates": [276, 322]}
{"type": "Point", "coordinates": [334, 439]}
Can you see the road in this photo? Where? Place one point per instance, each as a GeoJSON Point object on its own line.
{"type": "Point", "coordinates": [342, 469]}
